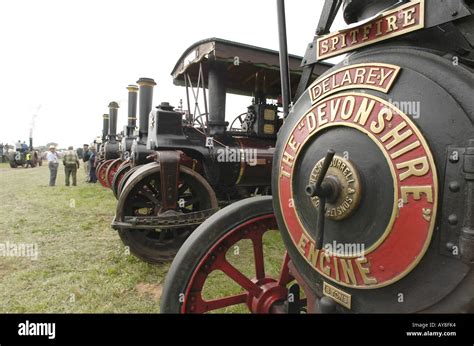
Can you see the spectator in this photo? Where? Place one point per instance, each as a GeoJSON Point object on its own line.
{"type": "Point", "coordinates": [86, 155]}
{"type": "Point", "coordinates": [53, 163]}
{"type": "Point", "coordinates": [28, 160]}
{"type": "Point", "coordinates": [71, 164]}
{"type": "Point", "coordinates": [92, 176]}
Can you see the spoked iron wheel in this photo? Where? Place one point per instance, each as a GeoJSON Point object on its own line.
{"type": "Point", "coordinates": [125, 178]}
{"type": "Point", "coordinates": [119, 174]}
{"type": "Point", "coordinates": [102, 172]}
{"type": "Point", "coordinates": [203, 268]}
{"type": "Point", "coordinates": [111, 170]}
{"type": "Point", "coordinates": [141, 196]}
{"type": "Point", "coordinates": [97, 167]}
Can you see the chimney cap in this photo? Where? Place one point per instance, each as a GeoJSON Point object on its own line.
{"type": "Point", "coordinates": [146, 82]}
{"type": "Point", "coordinates": [132, 88]}
{"type": "Point", "coordinates": [114, 105]}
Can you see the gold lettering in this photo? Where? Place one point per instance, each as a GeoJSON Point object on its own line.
{"type": "Point", "coordinates": [346, 79]}
{"type": "Point", "coordinates": [284, 173]}
{"type": "Point", "coordinates": [288, 159]}
{"type": "Point", "coordinates": [325, 268]}
{"type": "Point", "coordinates": [408, 14]}
{"type": "Point", "coordinates": [365, 271]}
{"type": "Point", "coordinates": [391, 23]}
{"type": "Point", "coordinates": [324, 46]}
{"type": "Point", "coordinates": [293, 144]}
{"type": "Point", "coordinates": [321, 113]}
{"type": "Point", "coordinates": [336, 268]}
{"type": "Point", "coordinates": [384, 76]}
{"type": "Point", "coordinates": [353, 34]}
{"type": "Point", "coordinates": [335, 41]}
{"type": "Point", "coordinates": [405, 150]}
{"type": "Point", "coordinates": [370, 76]}
{"type": "Point", "coordinates": [366, 30]}
{"type": "Point", "coordinates": [346, 112]}
{"type": "Point", "coordinates": [379, 27]}
{"type": "Point", "coordinates": [417, 191]}
{"type": "Point", "coordinates": [302, 244]}
{"type": "Point", "coordinates": [348, 271]}
{"type": "Point", "coordinates": [364, 111]}
{"type": "Point", "coordinates": [397, 137]}
{"type": "Point", "coordinates": [334, 107]}
{"type": "Point", "coordinates": [412, 170]}
{"type": "Point", "coordinates": [313, 254]}
{"type": "Point", "coordinates": [379, 126]}
{"type": "Point", "coordinates": [311, 122]}
{"type": "Point", "coordinates": [359, 74]}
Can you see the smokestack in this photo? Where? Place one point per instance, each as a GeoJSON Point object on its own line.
{"type": "Point", "coordinates": [113, 111]}
{"type": "Point", "coordinates": [132, 106]}
{"type": "Point", "coordinates": [217, 93]}
{"type": "Point", "coordinates": [146, 102]}
{"type": "Point", "coordinates": [105, 127]}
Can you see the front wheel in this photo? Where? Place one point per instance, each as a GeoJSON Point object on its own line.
{"type": "Point", "coordinates": [213, 270]}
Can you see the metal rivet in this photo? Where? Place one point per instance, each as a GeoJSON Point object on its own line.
{"type": "Point", "coordinates": [450, 246]}
{"type": "Point", "coordinates": [453, 219]}
{"type": "Point", "coordinates": [454, 186]}
{"type": "Point", "coordinates": [454, 13]}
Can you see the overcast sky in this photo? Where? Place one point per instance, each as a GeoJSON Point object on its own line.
{"type": "Point", "coordinates": [73, 57]}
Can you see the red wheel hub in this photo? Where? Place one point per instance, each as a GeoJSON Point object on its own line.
{"type": "Point", "coordinates": [111, 170]}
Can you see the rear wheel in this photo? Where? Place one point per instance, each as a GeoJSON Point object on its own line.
{"type": "Point", "coordinates": [142, 196]}
{"type": "Point", "coordinates": [205, 266]}
{"type": "Point", "coordinates": [102, 172]}
{"type": "Point", "coordinates": [111, 170]}
{"type": "Point", "coordinates": [121, 171]}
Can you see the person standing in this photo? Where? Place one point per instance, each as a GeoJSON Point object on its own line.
{"type": "Point", "coordinates": [86, 155]}
{"type": "Point", "coordinates": [92, 175]}
{"type": "Point", "coordinates": [71, 164]}
{"type": "Point", "coordinates": [53, 163]}
{"type": "Point", "coordinates": [28, 160]}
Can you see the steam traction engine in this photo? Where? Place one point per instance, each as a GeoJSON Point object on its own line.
{"type": "Point", "coordinates": [197, 163]}
{"type": "Point", "coordinates": [374, 202]}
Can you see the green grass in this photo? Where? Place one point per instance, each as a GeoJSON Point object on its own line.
{"type": "Point", "coordinates": [82, 265]}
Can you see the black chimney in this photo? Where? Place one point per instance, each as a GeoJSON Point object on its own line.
{"type": "Point", "coordinates": [146, 101]}
{"type": "Point", "coordinates": [113, 112]}
{"type": "Point", "coordinates": [132, 108]}
{"type": "Point", "coordinates": [105, 127]}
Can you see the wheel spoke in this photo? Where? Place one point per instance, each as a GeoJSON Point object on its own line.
{"type": "Point", "coordinates": [285, 276]}
{"type": "Point", "coordinates": [239, 278]}
{"type": "Point", "coordinates": [220, 303]}
{"type": "Point", "coordinates": [257, 242]}
{"type": "Point", "coordinates": [150, 196]}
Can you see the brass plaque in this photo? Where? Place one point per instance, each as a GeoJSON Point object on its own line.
{"type": "Point", "coordinates": [338, 295]}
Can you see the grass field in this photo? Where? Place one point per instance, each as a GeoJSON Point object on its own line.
{"type": "Point", "coordinates": [82, 266]}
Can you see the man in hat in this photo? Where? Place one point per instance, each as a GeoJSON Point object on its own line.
{"type": "Point", "coordinates": [71, 164]}
{"type": "Point", "coordinates": [53, 163]}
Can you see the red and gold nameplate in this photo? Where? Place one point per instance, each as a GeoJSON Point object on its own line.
{"type": "Point", "coordinates": [407, 235]}
{"type": "Point", "coordinates": [373, 76]}
{"type": "Point", "coordinates": [396, 22]}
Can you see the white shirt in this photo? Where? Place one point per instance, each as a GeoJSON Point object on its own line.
{"type": "Point", "coordinates": [52, 157]}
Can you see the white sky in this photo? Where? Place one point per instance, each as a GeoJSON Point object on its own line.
{"type": "Point", "coordinates": [73, 57]}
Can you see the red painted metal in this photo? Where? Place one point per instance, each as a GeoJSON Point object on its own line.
{"type": "Point", "coordinates": [102, 172]}
{"type": "Point", "coordinates": [260, 293]}
{"type": "Point", "coordinates": [111, 170]}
